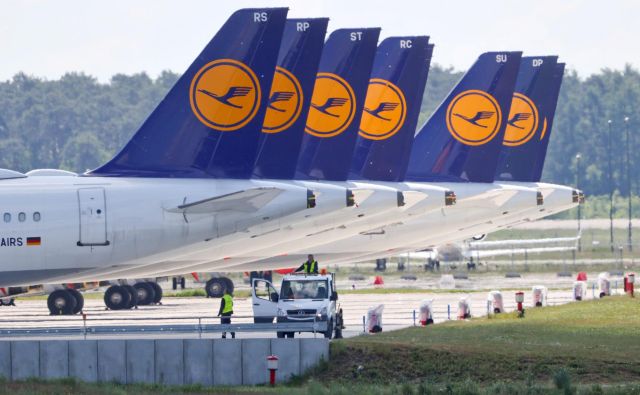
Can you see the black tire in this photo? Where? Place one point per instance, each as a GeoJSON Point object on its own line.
{"type": "Point", "coordinates": [228, 284]}
{"type": "Point", "coordinates": [158, 291]}
{"type": "Point", "coordinates": [497, 311]}
{"type": "Point", "coordinates": [430, 321]}
{"type": "Point", "coordinates": [538, 304]}
{"type": "Point", "coordinates": [290, 335]}
{"type": "Point", "coordinates": [329, 333]}
{"type": "Point", "coordinates": [182, 282]}
{"type": "Point", "coordinates": [133, 296]}
{"type": "Point", "coordinates": [61, 302]}
{"type": "Point", "coordinates": [145, 293]}
{"type": "Point", "coordinates": [174, 283]}
{"type": "Point", "coordinates": [281, 335]}
{"type": "Point", "coordinates": [602, 295]}
{"type": "Point", "coordinates": [117, 298]}
{"type": "Point", "coordinates": [215, 287]}
{"type": "Point", "coordinates": [79, 300]}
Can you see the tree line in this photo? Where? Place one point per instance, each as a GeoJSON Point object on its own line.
{"type": "Point", "coordinates": [77, 123]}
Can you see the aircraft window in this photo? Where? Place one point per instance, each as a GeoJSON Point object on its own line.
{"type": "Point", "coordinates": [7, 217]}
{"type": "Point", "coordinates": [36, 216]}
{"type": "Point", "coordinates": [22, 217]}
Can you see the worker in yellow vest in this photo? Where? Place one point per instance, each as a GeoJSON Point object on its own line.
{"type": "Point", "coordinates": [309, 267]}
{"type": "Point", "coordinates": [226, 311]}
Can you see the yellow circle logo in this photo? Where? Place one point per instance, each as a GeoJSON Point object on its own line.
{"type": "Point", "coordinates": [225, 95]}
{"type": "Point", "coordinates": [332, 106]}
{"type": "Point", "coordinates": [473, 117]}
{"type": "Point", "coordinates": [385, 110]}
{"type": "Point", "coordinates": [285, 102]}
{"type": "Point", "coordinates": [523, 121]}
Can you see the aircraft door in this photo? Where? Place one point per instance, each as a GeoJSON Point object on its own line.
{"type": "Point", "coordinates": [265, 301]}
{"type": "Point", "coordinates": [93, 217]}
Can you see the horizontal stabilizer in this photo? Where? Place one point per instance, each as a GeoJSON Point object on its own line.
{"type": "Point", "coordinates": [243, 201]}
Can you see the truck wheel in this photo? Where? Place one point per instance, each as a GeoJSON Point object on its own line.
{"type": "Point", "coordinates": [228, 283]}
{"type": "Point", "coordinates": [158, 291]}
{"type": "Point", "coordinates": [79, 300]}
{"type": "Point", "coordinates": [329, 331]}
{"type": "Point", "coordinates": [61, 302]}
{"type": "Point", "coordinates": [145, 292]}
{"type": "Point", "coordinates": [215, 287]}
{"type": "Point", "coordinates": [290, 335]}
{"type": "Point", "coordinates": [174, 283]}
{"type": "Point", "coordinates": [116, 298]}
{"type": "Point", "coordinates": [280, 335]}
{"type": "Point", "coordinates": [182, 282]}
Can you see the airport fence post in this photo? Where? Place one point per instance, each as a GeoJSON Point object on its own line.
{"type": "Point", "coordinates": [414, 317]}
{"type": "Point", "coordinates": [448, 311]}
{"type": "Point", "coordinates": [364, 325]}
{"type": "Point", "coordinates": [84, 324]}
{"type": "Point", "coordinates": [593, 290]}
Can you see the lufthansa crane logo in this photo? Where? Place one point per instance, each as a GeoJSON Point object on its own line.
{"type": "Point", "coordinates": [523, 121]}
{"type": "Point", "coordinates": [285, 102]}
{"type": "Point", "coordinates": [332, 106]}
{"type": "Point", "coordinates": [385, 110]}
{"type": "Point", "coordinates": [474, 117]}
{"type": "Point", "coordinates": [225, 95]}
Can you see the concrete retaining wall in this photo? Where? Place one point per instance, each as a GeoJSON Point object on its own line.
{"type": "Point", "coordinates": [166, 361]}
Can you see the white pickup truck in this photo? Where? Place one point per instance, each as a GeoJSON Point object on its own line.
{"type": "Point", "coordinates": [302, 297]}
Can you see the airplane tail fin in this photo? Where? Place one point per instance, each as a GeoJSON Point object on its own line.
{"type": "Point", "coordinates": [529, 122]}
{"type": "Point", "coordinates": [391, 109]}
{"type": "Point", "coordinates": [209, 123]}
{"type": "Point", "coordinates": [336, 104]}
{"type": "Point", "coordinates": [553, 103]}
{"type": "Point", "coordinates": [462, 139]}
{"type": "Point", "coordinates": [291, 91]}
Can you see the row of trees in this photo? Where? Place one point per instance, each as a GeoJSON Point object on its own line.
{"type": "Point", "coordinates": [76, 123]}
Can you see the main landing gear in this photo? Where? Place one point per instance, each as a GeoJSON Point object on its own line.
{"type": "Point", "coordinates": [216, 286]}
{"type": "Point", "coordinates": [126, 297]}
{"type": "Point", "coordinates": [65, 302]}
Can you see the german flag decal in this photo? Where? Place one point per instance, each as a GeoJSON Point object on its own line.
{"type": "Point", "coordinates": [33, 241]}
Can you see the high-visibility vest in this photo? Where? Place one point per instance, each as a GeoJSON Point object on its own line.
{"type": "Point", "coordinates": [310, 268]}
{"type": "Point", "coordinates": [228, 304]}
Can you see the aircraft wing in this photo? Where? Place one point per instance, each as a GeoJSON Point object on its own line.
{"type": "Point", "coordinates": [246, 201]}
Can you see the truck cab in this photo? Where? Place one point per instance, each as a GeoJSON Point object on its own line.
{"type": "Point", "coordinates": [302, 297]}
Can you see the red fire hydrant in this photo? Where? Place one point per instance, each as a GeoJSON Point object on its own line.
{"type": "Point", "coordinates": [630, 279]}
{"type": "Point", "coordinates": [272, 365]}
{"type": "Point", "coordinates": [520, 301]}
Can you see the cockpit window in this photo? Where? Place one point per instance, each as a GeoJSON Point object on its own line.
{"type": "Point", "coordinates": [304, 289]}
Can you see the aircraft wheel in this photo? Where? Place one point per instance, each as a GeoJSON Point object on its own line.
{"type": "Point", "coordinates": [79, 300]}
{"type": "Point", "coordinates": [145, 293]}
{"type": "Point", "coordinates": [281, 335]}
{"type": "Point", "coordinates": [215, 287]}
{"type": "Point", "coordinates": [61, 302]}
{"type": "Point", "coordinates": [117, 298]}
{"type": "Point", "coordinates": [182, 282]}
{"type": "Point", "coordinates": [228, 283]}
{"type": "Point", "coordinates": [158, 291]}
{"type": "Point", "coordinates": [174, 283]}
{"type": "Point", "coordinates": [133, 296]}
